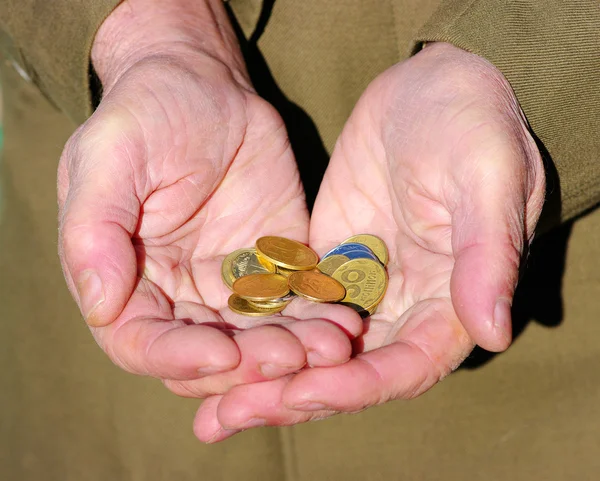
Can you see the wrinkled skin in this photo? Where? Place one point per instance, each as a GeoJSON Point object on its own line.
{"type": "Point", "coordinates": [436, 159]}
{"type": "Point", "coordinates": [181, 164]}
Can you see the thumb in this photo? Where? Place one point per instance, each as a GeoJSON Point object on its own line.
{"type": "Point", "coordinates": [98, 216]}
{"type": "Point", "coordinates": [495, 217]}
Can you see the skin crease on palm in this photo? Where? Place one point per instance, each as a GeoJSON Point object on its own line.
{"type": "Point", "coordinates": [181, 164]}
{"type": "Point", "coordinates": [437, 160]}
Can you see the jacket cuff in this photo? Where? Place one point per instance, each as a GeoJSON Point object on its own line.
{"type": "Point", "coordinates": [550, 53]}
{"type": "Point", "coordinates": [51, 43]}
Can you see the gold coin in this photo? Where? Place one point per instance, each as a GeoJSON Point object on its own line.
{"type": "Point", "coordinates": [242, 306]}
{"type": "Point", "coordinates": [365, 281]}
{"type": "Point", "coordinates": [265, 263]}
{"type": "Point", "coordinates": [276, 304]}
{"type": "Point", "coordinates": [372, 242]}
{"type": "Point", "coordinates": [287, 253]}
{"type": "Point", "coordinates": [285, 272]}
{"type": "Point", "coordinates": [331, 263]}
{"type": "Point", "coordinates": [243, 262]}
{"type": "Point", "coordinates": [316, 286]}
{"type": "Point", "coordinates": [261, 287]}
{"type": "Point", "coordinates": [373, 310]}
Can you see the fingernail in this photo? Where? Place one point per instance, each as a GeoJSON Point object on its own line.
{"type": "Point", "coordinates": [220, 434]}
{"type": "Point", "coordinates": [275, 370]}
{"type": "Point", "coordinates": [91, 294]}
{"type": "Point", "coordinates": [208, 370]}
{"type": "Point", "coordinates": [215, 436]}
{"type": "Point", "coordinates": [310, 406]}
{"type": "Point", "coordinates": [502, 318]}
{"type": "Point", "coordinates": [253, 423]}
{"type": "Point", "coordinates": [313, 358]}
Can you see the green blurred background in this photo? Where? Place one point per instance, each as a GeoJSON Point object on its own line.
{"type": "Point", "coordinates": [1, 130]}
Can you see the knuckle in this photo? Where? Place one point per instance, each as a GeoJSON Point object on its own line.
{"type": "Point", "coordinates": [74, 236]}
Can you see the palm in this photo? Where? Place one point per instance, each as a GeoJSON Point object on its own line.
{"type": "Point", "coordinates": [425, 168]}
{"type": "Point", "coordinates": [217, 184]}
{"type": "Point", "coordinates": [363, 193]}
{"type": "Point", "coordinates": [368, 189]}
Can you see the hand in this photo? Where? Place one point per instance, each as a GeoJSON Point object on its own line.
{"type": "Point", "coordinates": [181, 164]}
{"type": "Point", "coordinates": [437, 160]}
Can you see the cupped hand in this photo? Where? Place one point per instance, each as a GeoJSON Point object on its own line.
{"type": "Point", "coordinates": [181, 164]}
{"type": "Point", "coordinates": [437, 160]}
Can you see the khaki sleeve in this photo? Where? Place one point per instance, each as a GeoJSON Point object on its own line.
{"type": "Point", "coordinates": [549, 50]}
{"type": "Point", "coordinates": [50, 40]}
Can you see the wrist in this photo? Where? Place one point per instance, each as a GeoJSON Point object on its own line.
{"type": "Point", "coordinates": [141, 29]}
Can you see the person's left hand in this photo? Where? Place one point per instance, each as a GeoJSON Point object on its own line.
{"type": "Point", "coordinates": [180, 164]}
{"type": "Point", "coordinates": [437, 160]}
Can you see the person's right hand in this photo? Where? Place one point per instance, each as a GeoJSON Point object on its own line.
{"type": "Point", "coordinates": [181, 164]}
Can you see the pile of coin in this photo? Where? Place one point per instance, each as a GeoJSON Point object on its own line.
{"type": "Point", "coordinates": [264, 279]}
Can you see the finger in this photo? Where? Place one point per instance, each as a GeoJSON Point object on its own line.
{"type": "Point", "coordinates": [270, 351]}
{"type": "Point", "coordinates": [206, 424]}
{"type": "Point", "coordinates": [490, 229]}
{"type": "Point", "coordinates": [428, 346]}
{"type": "Point", "coordinates": [256, 405]}
{"type": "Point", "coordinates": [267, 352]}
{"type": "Point", "coordinates": [324, 343]}
{"type": "Point", "coordinates": [325, 330]}
{"type": "Point", "coordinates": [97, 219]}
{"type": "Point", "coordinates": [345, 318]}
{"type": "Point", "coordinates": [172, 349]}
{"type": "Point", "coordinates": [147, 340]}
